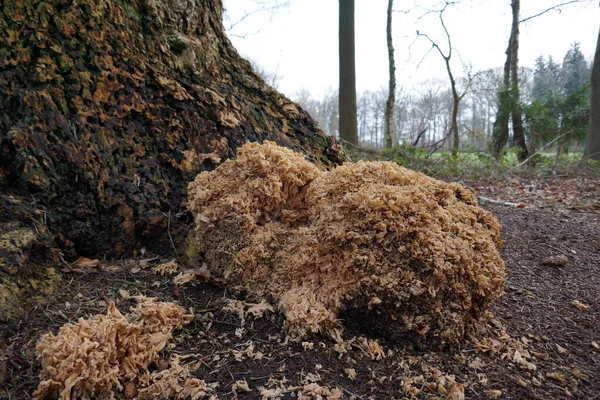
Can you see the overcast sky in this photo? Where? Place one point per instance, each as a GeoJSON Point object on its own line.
{"type": "Point", "coordinates": [300, 41]}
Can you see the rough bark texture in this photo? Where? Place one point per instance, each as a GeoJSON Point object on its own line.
{"type": "Point", "coordinates": [391, 100]}
{"type": "Point", "coordinates": [517, 115]}
{"type": "Point", "coordinates": [348, 123]}
{"type": "Point", "coordinates": [108, 108]}
{"type": "Point", "coordinates": [592, 144]}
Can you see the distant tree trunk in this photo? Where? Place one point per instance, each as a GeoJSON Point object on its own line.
{"type": "Point", "coordinates": [516, 112]}
{"type": "Point", "coordinates": [500, 130]}
{"type": "Point", "coordinates": [592, 144]}
{"type": "Point", "coordinates": [456, 97]}
{"type": "Point", "coordinates": [107, 110]}
{"type": "Point", "coordinates": [391, 100]}
{"type": "Point", "coordinates": [348, 124]}
{"type": "Point", "coordinates": [455, 103]}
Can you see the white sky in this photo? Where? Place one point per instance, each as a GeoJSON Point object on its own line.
{"type": "Point", "coordinates": [300, 42]}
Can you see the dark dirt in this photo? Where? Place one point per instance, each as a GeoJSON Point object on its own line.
{"type": "Point", "coordinates": [537, 312]}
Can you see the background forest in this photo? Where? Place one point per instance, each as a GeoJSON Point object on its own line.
{"type": "Point", "coordinates": [553, 93]}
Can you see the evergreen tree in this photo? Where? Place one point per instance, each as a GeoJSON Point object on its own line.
{"type": "Point", "coordinates": [575, 70]}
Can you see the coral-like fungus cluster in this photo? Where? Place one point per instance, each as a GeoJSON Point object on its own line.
{"type": "Point", "coordinates": [94, 357]}
{"type": "Point", "coordinates": [379, 246]}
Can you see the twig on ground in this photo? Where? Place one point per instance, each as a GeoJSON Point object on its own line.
{"type": "Point", "coordinates": [169, 232]}
{"type": "Point", "coordinates": [484, 200]}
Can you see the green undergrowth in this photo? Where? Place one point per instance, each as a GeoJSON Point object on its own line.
{"type": "Point", "coordinates": [481, 165]}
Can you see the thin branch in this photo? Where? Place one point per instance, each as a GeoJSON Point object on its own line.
{"type": "Point", "coordinates": [540, 150]}
{"type": "Point", "coordinates": [446, 30]}
{"type": "Point", "coordinates": [555, 7]}
{"type": "Point", "coordinates": [433, 44]}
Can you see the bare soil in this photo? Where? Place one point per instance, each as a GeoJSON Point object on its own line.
{"type": "Point", "coordinates": [543, 311]}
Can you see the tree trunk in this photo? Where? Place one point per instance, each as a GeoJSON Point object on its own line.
{"type": "Point", "coordinates": [517, 115]}
{"type": "Point", "coordinates": [391, 100]}
{"type": "Point", "coordinates": [455, 102]}
{"type": "Point", "coordinates": [500, 130]}
{"type": "Point", "coordinates": [592, 144]}
{"type": "Point", "coordinates": [348, 125]}
{"type": "Point", "coordinates": [108, 108]}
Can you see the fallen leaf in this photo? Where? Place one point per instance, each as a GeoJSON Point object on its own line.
{"type": "Point", "coordinates": [183, 278]}
{"type": "Point", "coordinates": [596, 345]}
{"type": "Point", "coordinates": [522, 362]}
{"type": "Point", "coordinates": [456, 392]}
{"type": "Point", "coordinates": [84, 265]}
{"type": "Point", "coordinates": [135, 270]}
{"type": "Point", "coordinates": [240, 385]}
{"type": "Point", "coordinates": [561, 350]}
{"type": "Point", "coordinates": [130, 390]}
{"type": "Point", "coordinates": [494, 394]}
{"type": "Point", "coordinates": [124, 294]}
{"type": "Point", "coordinates": [521, 382]}
{"type": "Point", "coordinates": [556, 376]}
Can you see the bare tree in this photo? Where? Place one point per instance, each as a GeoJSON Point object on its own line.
{"type": "Point", "coordinates": [456, 97]}
{"type": "Point", "coordinates": [348, 124]}
{"type": "Point", "coordinates": [389, 106]}
{"type": "Point", "coordinates": [271, 78]}
{"type": "Point", "coordinates": [592, 144]}
{"type": "Point", "coordinates": [235, 24]}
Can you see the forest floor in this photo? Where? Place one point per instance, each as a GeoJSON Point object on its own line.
{"type": "Point", "coordinates": [542, 339]}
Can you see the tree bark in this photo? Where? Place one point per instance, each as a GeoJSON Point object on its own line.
{"type": "Point", "coordinates": [500, 131]}
{"type": "Point", "coordinates": [455, 102]}
{"type": "Point", "coordinates": [592, 144]}
{"type": "Point", "coordinates": [516, 113]}
{"type": "Point", "coordinates": [348, 123]}
{"type": "Point", "coordinates": [391, 100]}
{"type": "Point", "coordinates": [108, 108]}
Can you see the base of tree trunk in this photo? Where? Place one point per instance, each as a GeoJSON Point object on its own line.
{"type": "Point", "coordinates": [108, 109]}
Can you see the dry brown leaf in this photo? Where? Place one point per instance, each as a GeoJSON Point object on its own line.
{"type": "Point", "coordinates": [240, 386]}
{"type": "Point", "coordinates": [521, 382]}
{"type": "Point", "coordinates": [130, 390]}
{"type": "Point", "coordinates": [456, 392]}
{"type": "Point", "coordinates": [561, 350]}
{"type": "Point", "coordinates": [84, 265]}
{"type": "Point", "coordinates": [494, 394]}
{"type": "Point", "coordinates": [522, 362]}
{"type": "Point", "coordinates": [556, 376]}
{"type": "Point", "coordinates": [183, 278]}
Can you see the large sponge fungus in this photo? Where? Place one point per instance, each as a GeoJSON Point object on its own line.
{"type": "Point", "coordinates": [405, 255]}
